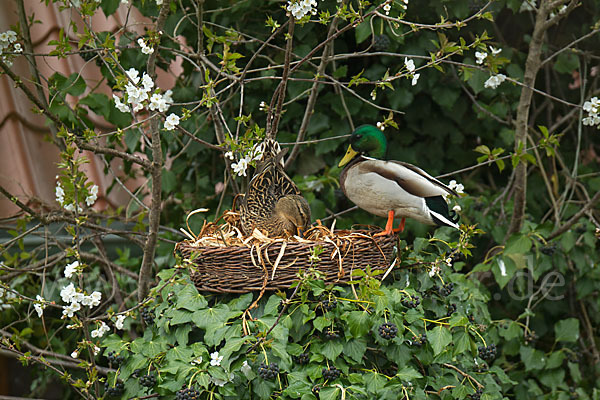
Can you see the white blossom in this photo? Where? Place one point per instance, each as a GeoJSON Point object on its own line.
{"type": "Point", "coordinates": [246, 369]}
{"type": "Point", "coordinates": [60, 194]}
{"type": "Point", "coordinates": [125, 2]}
{"type": "Point", "coordinates": [494, 81]}
{"type": "Point", "coordinates": [217, 381]}
{"type": "Point", "coordinates": [387, 7]}
{"type": "Point", "coordinates": [415, 79]}
{"type": "Point", "coordinates": [456, 208]}
{"type": "Point", "coordinates": [134, 75]}
{"type": "Point", "coordinates": [159, 2]}
{"type": "Point", "coordinates": [448, 261]}
{"type": "Point", "coordinates": [167, 96]}
{"type": "Point", "coordinates": [75, 354]}
{"type": "Point", "coordinates": [300, 8]}
{"type": "Point", "coordinates": [69, 310]}
{"type": "Point", "coordinates": [96, 350]}
{"type": "Point", "coordinates": [240, 167]}
{"type": "Point", "coordinates": [71, 269]}
{"type": "Point", "coordinates": [262, 106]}
{"type": "Point", "coordinates": [434, 270]}
{"type": "Point", "coordinates": [95, 298]}
{"type": "Point", "coordinates": [409, 64]}
{"type": "Point", "coordinates": [119, 321]}
{"type": "Point", "coordinates": [91, 199]}
{"type": "Point", "coordinates": [171, 122]}
{"type": "Point", "coordinates": [215, 359]}
{"type": "Point", "coordinates": [6, 294]}
{"type": "Point", "coordinates": [480, 56]}
{"type": "Point", "coordinates": [120, 106]}
{"type": "Point", "coordinates": [228, 154]}
{"type": "Point", "coordinates": [373, 94]}
{"type": "Point", "coordinates": [147, 83]}
{"type": "Point", "coordinates": [40, 305]}
{"type": "Point", "coordinates": [197, 361]}
{"type": "Point", "coordinates": [592, 107]}
{"type": "Point", "coordinates": [145, 48]}
{"type": "Point", "coordinates": [68, 292]}
{"type": "Point", "coordinates": [17, 48]}
{"type": "Point", "coordinates": [458, 187]}
{"type": "Point", "coordinates": [381, 126]}
{"type": "Point", "coordinates": [495, 51]}
{"type": "Point", "coordinates": [101, 330]}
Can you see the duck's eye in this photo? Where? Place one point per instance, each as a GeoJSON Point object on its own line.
{"type": "Point", "coordinates": [356, 138]}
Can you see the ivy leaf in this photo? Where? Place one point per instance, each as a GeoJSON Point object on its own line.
{"type": "Point", "coordinates": [439, 337]}
{"type": "Point", "coordinates": [462, 342]}
{"type": "Point", "coordinates": [189, 299]}
{"type": "Point", "coordinates": [359, 323]}
{"type": "Point", "coordinates": [329, 393]}
{"type": "Point", "coordinates": [332, 349]}
{"type": "Point", "coordinates": [355, 348]}
{"type": "Point", "coordinates": [567, 330]}
{"type": "Point", "coordinates": [517, 244]}
{"type": "Point", "coordinates": [374, 381]}
{"type": "Point", "coordinates": [532, 358]}
{"type": "Point", "coordinates": [408, 374]}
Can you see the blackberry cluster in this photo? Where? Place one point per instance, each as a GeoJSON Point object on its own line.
{"type": "Point", "coordinates": [329, 304]}
{"type": "Point", "coordinates": [451, 309]}
{"type": "Point", "coordinates": [572, 393]}
{"type": "Point", "coordinates": [477, 394]}
{"type": "Point", "coordinates": [487, 352]}
{"type": "Point", "coordinates": [549, 249]}
{"type": "Point", "coordinates": [114, 391]}
{"type": "Point", "coordinates": [419, 341]}
{"type": "Point", "coordinates": [147, 316]}
{"type": "Point", "coordinates": [114, 359]}
{"type": "Point", "coordinates": [187, 393]}
{"type": "Point", "coordinates": [530, 337]}
{"type": "Point", "coordinates": [483, 367]}
{"type": "Point", "coordinates": [268, 372]}
{"type": "Point", "coordinates": [446, 289]}
{"type": "Point", "coordinates": [574, 356]}
{"type": "Point", "coordinates": [331, 373]}
{"type": "Point", "coordinates": [302, 359]}
{"type": "Point", "coordinates": [411, 302]}
{"type": "Point", "coordinates": [87, 53]}
{"type": "Point", "coordinates": [388, 330]}
{"type": "Point", "coordinates": [148, 380]}
{"type": "Point", "coordinates": [331, 334]}
{"type": "Point", "coordinates": [315, 390]}
{"type": "Point", "coordinates": [381, 43]}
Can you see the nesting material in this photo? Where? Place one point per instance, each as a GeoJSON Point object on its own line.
{"type": "Point", "coordinates": [221, 259]}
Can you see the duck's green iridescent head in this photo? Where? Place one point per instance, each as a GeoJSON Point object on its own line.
{"type": "Point", "coordinates": [368, 140]}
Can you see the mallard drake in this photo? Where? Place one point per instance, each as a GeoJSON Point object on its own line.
{"type": "Point", "coordinates": [272, 202]}
{"type": "Point", "coordinates": [391, 188]}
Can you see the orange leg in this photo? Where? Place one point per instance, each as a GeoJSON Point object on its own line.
{"type": "Point", "coordinates": [388, 226]}
{"type": "Point", "coordinates": [401, 226]}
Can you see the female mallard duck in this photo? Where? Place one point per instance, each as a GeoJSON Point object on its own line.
{"type": "Point", "coordinates": [391, 188]}
{"type": "Point", "coordinates": [272, 202]}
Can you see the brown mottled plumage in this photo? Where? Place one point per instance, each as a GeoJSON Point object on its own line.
{"type": "Point", "coordinates": [272, 202]}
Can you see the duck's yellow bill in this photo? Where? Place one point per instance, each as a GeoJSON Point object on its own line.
{"type": "Point", "coordinates": [350, 154]}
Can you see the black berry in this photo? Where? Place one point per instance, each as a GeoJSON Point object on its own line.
{"type": "Point", "coordinates": [451, 309]}
{"type": "Point", "coordinates": [147, 316]}
{"type": "Point", "coordinates": [114, 391]}
{"type": "Point", "coordinates": [148, 380]}
{"type": "Point", "coordinates": [268, 372]}
{"type": "Point", "coordinates": [114, 359]}
{"type": "Point", "coordinates": [136, 373]}
{"type": "Point", "coordinates": [302, 359]}
{"type": "Point", "coordinates": [329, 304]}
{"type": "Point", "coordinates": [483, 367]}
{"type": "Point", "coordinates": [186, 393]}
{"type": "Point", "coordinates": [549, 249]}
{"type": "Point", "coordinates": [446, 289]}
{"type": "Point", "coordinates": [331, 334]}
{"type": "Point", "coordinates": [477, 394]}
{"type": "Point", "coordinates": [381, 43]}
{"type": "Point", "coordinates": [487, 352]}
{"type": "Point", "coordinates": [331, 373]}
{"type": "Point", "coordinates": [419, 341]}
{"type": "Point", "coordinates": [411, 302]}
{"type": "Point", "coordinates": [388, 330]}
{"type": "Point", "coordinates": [315, 390]}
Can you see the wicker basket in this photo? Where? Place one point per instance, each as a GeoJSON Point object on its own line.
{"type": "Point", "coordinates": [274, 264]}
